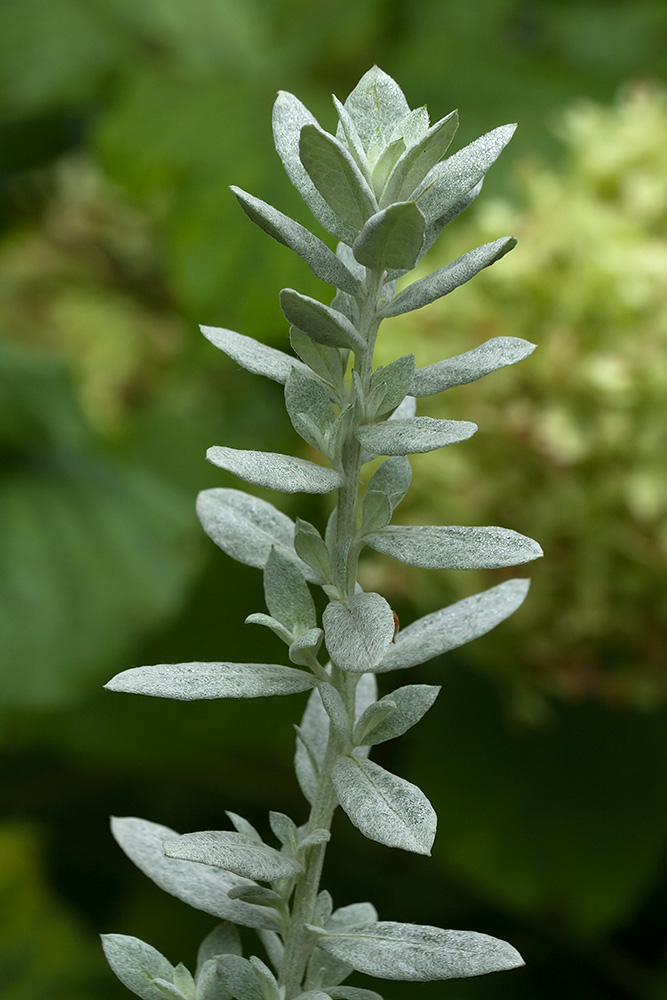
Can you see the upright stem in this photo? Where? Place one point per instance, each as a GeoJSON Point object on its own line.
{"type": "Point", "coordinates": [298, 940]}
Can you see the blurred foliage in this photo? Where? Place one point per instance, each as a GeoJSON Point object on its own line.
{"type": "Point", "coordinates": [572, 441]}
{"type": "Point", "coordinates": [121, 126]}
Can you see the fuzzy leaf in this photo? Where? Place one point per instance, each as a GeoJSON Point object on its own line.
{"type": "Point", "coordinates": [351, 915]}
{"type": "Point", "coordinates": [335, 709]}
{"type": "Point", "coordinates": [389, 386]}
{"type": "Point", "coordinates": [257, 894]}
{"type": "Point", "coordinates": [275, 471]}
{"type": "Point", "coordinates": [137, 965]}
{"type": "Point", "coordinates": [434, 228]}
{"type": "Point", "coordinates": [243, 826]}
{"type": "Point", "coordinates": [223, 940]}
{"type": "Point", "coordinates": [258, 618]}
{"type": "Point", "coordinates": [376, 512]}
{"type": "Point", "coordinates": [392, 478]}
{"type": "Point", "coordinates": [239, 978]}
{"type": "Point", "coordinates": [313, 550]}
{"type": "Point", "coordinates": [385, 164]}
{"type": "Point", "coordinates": [383, 806]}
{"type": "Point", "coordinates": [284, 829]}
{"type": "Point", "coordinates": [322, 323]}
{"type": "Point", "coordinates": [488, 357]}
{"type": "Point", "coordinates": [392, 238]}
{"type": "Point", "coordinates": [289, 117]}
{"type": "Point", "coordinates": [309, 409]}
{"type": "Point", "coordinates": [202, 681]}
{"type": "Point", "coordinates": [455, 625]}
{"type": "Point", "coordinates": [313, 733]}
{"type": "Point", "coordinates": [347, 134]}
{"type": "Point", "coordinates": [255, 357]}
{"type": "Point", "coordinates": [247, 528]}
{"type": "Point", "coordinates": [287, 596]}
{"type": "Point", "coordinates": [210, 985]}
{"type": "Point", "coordinates": [410, 704]}
{"type": "Point", "coordinates": [418, 160]}
{"type": "Point", "coordinates": [203, 888]}
{"type": "Point", "coordinates": [274, 947]}
{"type": "Point", "coordinates": [446, 279]}
{"type": "Point", "coordinates": [305, 646]}
{"type": "Point", "coordinates": [322, 261]}
{"type": "Point", "coordinates": [375, 106]}
{"type": "Point", "coordinates": [336, 176]}
{"type": "Point", "coordinates": [413, 435]}
{"type": "Point", "coordinates": [420, 953]}
{"type": "Point", "coordinates": [328, 363]}
{"type": "Point", "coordinates": [454, 547]}
{"type": "Point", "coordinates": [449, 182]}
{"type": "Point", "coordinates": [233, 852]}
{"type": "Point", "coordinates": [358, 633]}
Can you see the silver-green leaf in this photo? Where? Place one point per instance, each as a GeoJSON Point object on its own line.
{"type": "Point", "coordinates": [247, 528]}
{"type": "Point", "coordinates": [223, 940]}
{"type": "Point", "coordinates": [358, 632]}
{"type": "Point", "coordinates": [201, 681]}
{"type": "Point", "coordinates": [468, 367]}
{"type": "Point", "coordinates": [322, 323]}
{"type": "Point", "coordinates": [375, 106]}
{"type": "Point", "coordinates": [413, 435]}
{"type": "Point", "coordinates": [253, 355]}
{"type": "Point", "coordinates": [392, 478]}
{"type": "Point", "coordinates": [446, 279]}
{"type": "Point", "coordinates": [275, 471]}
{"type": "Point", "coordinates": [454, 547]}
{"type": "Point", "coordinates": [137, 965]}
{"type": "Point", "coordinates": [419, 159]}
{"type": "Point", "coordinates": [408, 705]}
{"type": "Point", "coordinates": [233, 852]}
{"type": "Point", "coordinates": [322, 261]}
{"type": "Point", "coordinates": [419, 953]}
{"type": "Point", "coordinates": [384, 807]}
{"type": "Point", "coordinates": [309, 408]}
{"type": "Point", "coordinates": [289, 117]}
{"type": "Point", "coordinates": [203, 888]}
{"type": "Point", "coordinates": [454, 625]}
{"type": "Point", "coordinates": [336, 176]}
{"type": "Point", "coordinates": [392, 238]}
{"type": "Point", "coordinates": [287, 595]}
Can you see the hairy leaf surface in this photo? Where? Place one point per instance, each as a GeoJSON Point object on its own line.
{"type": "Point", "coordinates": [322, 261]}
{"type": "Point", "coordinates": [322, 323]}
{"type": "Point", "coordinates": [287, 595]}
{"type": "Point", "coordinates": [358, 633]}
{"type": "Point", "coordinates": [253, 355]}
{"type": "Point", "coordinates": [137, 965]}
{"type": "Point", "coordinates": [234, 852]}
{"type": "Point", "coordinates": [200, 681]}
{"type": "Point", "coordinates": [336, 176]}
{"type": "Point", "coordinates": [275, 471]}
{"type": "Point", "coordinates": [420, 953]}
{"type": "Point", "coordinates": [375, 105]}
{"type": "Point", "coordinates": [409, 705]}
{"type": "Point", "coordinates": [468, 367]}
{"type": "Point", "coordinates": [454, 547]}
{"type": "Point", "coordinates": [455, 625]}
{"type": "Point", "coordinates": [392, 478]}
{"type": "Point", "coordinates": [392, 238]}
{"type": "Point", "coordinates": [203, 888]}
{"type": "Point", "coordinates": [413, 435]}
{"type": "Point", "coordinates": [446, 279]}
{"type": "Point", "coordinates": [383, 806]}
{"type": "Point", "coordinates": [417, 160]}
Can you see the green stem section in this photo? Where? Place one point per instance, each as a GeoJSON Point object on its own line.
{"type": "Point", "coordinates": [299, 941]}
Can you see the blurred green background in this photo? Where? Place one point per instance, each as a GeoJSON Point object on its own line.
{"type": "Point", "coordinates": [121, 126]}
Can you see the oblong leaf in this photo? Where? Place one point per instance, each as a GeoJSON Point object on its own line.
{"type": "Point", "coordinates": [450, 181]}
{"type": "Point", "coordinates": [322, 323]}
{"type": "Point", "coordinates": [233, 852]}
{"type": "Point", "coordinates": [375, 106]}
{"type": "Point", "coordinates": [420, 953]}
{"type": "Point", "coordinates": [413, 435]}
{"type": "Point", "coordinates": [336, 176]}
{"type": "Point", "coordinates": [419, 159]}
{"type": "Point", "coordinates": [410, 704]}
{"type": "Point", "coordinates": [468, 367]}
{"type": "Point", "coordinates": [251, 354]}
{"type": "Point", "coordinates": [137, 965]}
{"type": "Point", "coordinates": [358, 633]}
{"type": "Point", "coordinates": [289, 117]}
{"type": "Point", "coordinates": [454, 546]}
{"type": "Point", "coordinates": [287, 595]}
{"type": "Point", "coordinates": [275, 471]}
{"type": "Point", "coordinates": [392, 238]}
{"type": "Point", "coordinates": [203, 888]}
{"type": "Point", "coordinates": [384, 807]}
{"type": "Point", "coordinates": [223, 940]}
{"type": "Point", "coordinates": [322, 261]}
{"type": "Point", "coordinates": [454, 625]}
{"type": "Point", "coordinates": [392, 478]}
{"type": "Point", "coordinates": [247, 528]}
{"type": "Point", "coordinates": [446, 279]}
{"type": "Point", "coordinates": [203, 681]}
